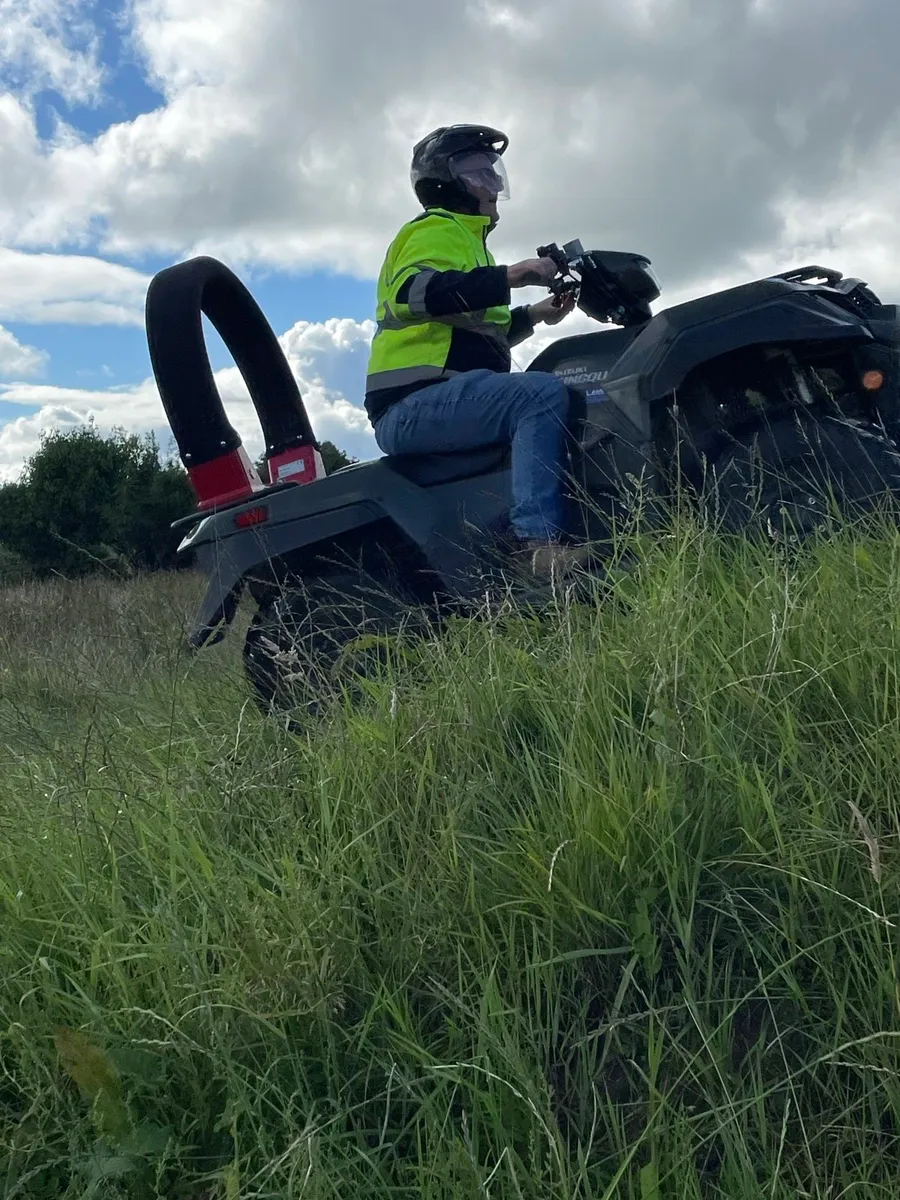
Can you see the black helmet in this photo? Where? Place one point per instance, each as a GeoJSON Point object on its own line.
{"type": "Point", "coordinates": [458, 166]}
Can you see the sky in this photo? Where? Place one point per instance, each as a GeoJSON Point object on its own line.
{"type": "Point", "coordinates": [724, 139]}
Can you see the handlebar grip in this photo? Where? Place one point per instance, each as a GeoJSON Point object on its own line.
{"type": "Point", "coordinates": [560, 288]}
{"type": "Point", "coordinates": [553, 251]}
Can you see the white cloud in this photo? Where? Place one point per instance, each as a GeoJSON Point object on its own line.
{"type": "Point", "coordinates": [50, 43]}
{"type": "Point", "coordinates": [17, 359]}
{"type": "Point", "coordinates": [73, 288]}
{"type": "Point", "coordinates": [328, 359]}
{"type": "Point", "coordinates": [681, 128]}
{"type": "Point", "coordinates": [20, 437]}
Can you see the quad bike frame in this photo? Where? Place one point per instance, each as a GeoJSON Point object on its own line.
{"type": "Point", "coordinates": [650, 392]}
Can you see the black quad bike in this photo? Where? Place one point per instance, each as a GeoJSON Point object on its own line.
{"type": "Point", "coordinates": [771, 404]}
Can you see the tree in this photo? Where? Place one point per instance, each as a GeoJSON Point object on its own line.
{"type": "Point", "coordinates": [87, 502]}
{"type": "Point", "coordinates": [333, 458]}
{"type": "Point", "coordinates": [15, 531]}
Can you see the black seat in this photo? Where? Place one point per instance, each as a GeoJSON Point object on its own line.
{"type": "Point", "coordinates": [426, 470]}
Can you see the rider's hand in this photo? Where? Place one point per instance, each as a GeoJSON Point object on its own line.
{"type": "Point", "coordinates": [532, 272]}
{"type": "Point", "coordinates": [547, 312]}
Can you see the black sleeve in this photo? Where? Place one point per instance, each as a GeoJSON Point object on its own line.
{"type": "Point", "coordinates": [521, 326]}
{"type": "Point", "coordinates": [442, 293]}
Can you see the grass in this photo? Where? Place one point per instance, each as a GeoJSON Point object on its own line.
{"type": "Point", "coordinates": [599, 906]}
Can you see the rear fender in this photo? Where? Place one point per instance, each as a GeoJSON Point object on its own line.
{"type": "Point", "coordinates": [228, 562]}
{"type": "Point", "coordinates": [305, 519]}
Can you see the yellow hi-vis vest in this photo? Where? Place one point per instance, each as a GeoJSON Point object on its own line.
{"type": "Point", "coordinates": [411, 347]}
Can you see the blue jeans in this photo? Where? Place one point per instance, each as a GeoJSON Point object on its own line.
{"type": "Point", "coordinates": [528, 409]}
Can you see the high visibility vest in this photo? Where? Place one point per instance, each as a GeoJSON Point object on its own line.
{"type": "Point", "coordinates": [411, 347]}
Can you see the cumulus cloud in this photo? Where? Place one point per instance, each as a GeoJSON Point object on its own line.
{"type": "Point", "coordinates": [20, 437]}
{"type": "Point", "coordinates": [49, 43]}
{"type": "Point", "coordinates": [688, 129]}
{"type": "Point", "coordinates": [17, 359]}
{"type": "Point", "coordinates": [73, 288]}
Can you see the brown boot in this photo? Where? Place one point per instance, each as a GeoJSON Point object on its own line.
{"type": "Point", "coordinates": [550, 560]}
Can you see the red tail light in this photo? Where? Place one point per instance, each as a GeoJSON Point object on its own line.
{"type": "Point", "coordinates": [251, 516]}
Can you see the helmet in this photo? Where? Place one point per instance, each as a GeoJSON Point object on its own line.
{"type": "Point", "coordinates": [459, 167]}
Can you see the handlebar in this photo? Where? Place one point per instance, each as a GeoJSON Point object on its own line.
{"type": "Point", "coordinates": [610, 286]}
{"type": "Point", "coordinates": [553, 251]}
{"type": "Point", "coordinates": [564, 259]}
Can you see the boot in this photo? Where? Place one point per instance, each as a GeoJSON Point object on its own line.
{"type": "Point", "coordinates": [550, 560]}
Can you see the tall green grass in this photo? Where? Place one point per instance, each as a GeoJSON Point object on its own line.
{"type": "Point", "coordinates": [598, 905]}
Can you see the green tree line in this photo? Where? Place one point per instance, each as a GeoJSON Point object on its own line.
{"type": "Point", "coordinates": [87, 502]}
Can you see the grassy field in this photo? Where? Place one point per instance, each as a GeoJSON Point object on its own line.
{"type": "Point", "coordinates": [601, 906]}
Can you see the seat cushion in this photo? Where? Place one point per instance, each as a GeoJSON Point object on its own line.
{"type": "Point", "coordinates": [426, 470]}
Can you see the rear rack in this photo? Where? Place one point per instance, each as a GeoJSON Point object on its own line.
{"type": "Point", "coordinates": [805, 274]}
{"type": "Point", "coordinates": [194, 518]}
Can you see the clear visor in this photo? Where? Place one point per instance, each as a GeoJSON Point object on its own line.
{"type": "Point", "coordinates": [483, 175]}
{"type": "Point", "coordinates": [648, 270]}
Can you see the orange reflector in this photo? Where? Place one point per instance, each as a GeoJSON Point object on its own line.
{"type": "Point", "coordinates": [872, 380]}
{"type": "Point", "coordinates": [251, 516]}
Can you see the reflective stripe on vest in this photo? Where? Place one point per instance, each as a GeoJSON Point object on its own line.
{"type": "Point", "coordinates": [402, 376]}
{"type": "Point", "coordinates": [473, 321]}
{"type": "Point", "coordinates": [416, 297]}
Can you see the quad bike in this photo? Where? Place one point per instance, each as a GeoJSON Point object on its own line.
{"type": "Point", "coordinates": [771, 404]}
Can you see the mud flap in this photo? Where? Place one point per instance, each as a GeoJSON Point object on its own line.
{"type": "Point", "coordinates": [216, 612]}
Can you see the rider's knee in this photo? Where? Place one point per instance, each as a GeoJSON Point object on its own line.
{"type": "Point", "coordinates": [550, 394]}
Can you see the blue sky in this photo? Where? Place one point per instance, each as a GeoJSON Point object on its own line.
{"type": "Point", "coordinates": [127, 91]}
{"type": "Point", "coordinates": [724, 141]}
{"type": "Point", "coordinates": [107, 354]}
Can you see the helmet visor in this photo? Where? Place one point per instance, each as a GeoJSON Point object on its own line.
{"type": "Point", "coordinates": [482, 174]}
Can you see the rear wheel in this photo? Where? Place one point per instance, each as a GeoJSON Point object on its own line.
{"type": "Point", "coordinates": [313, 638]}
{"type": "Point", "coordinates": [796, 475]}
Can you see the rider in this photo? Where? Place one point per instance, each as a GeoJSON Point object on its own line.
{"type": "Point", "coordinates": [439, 377]}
